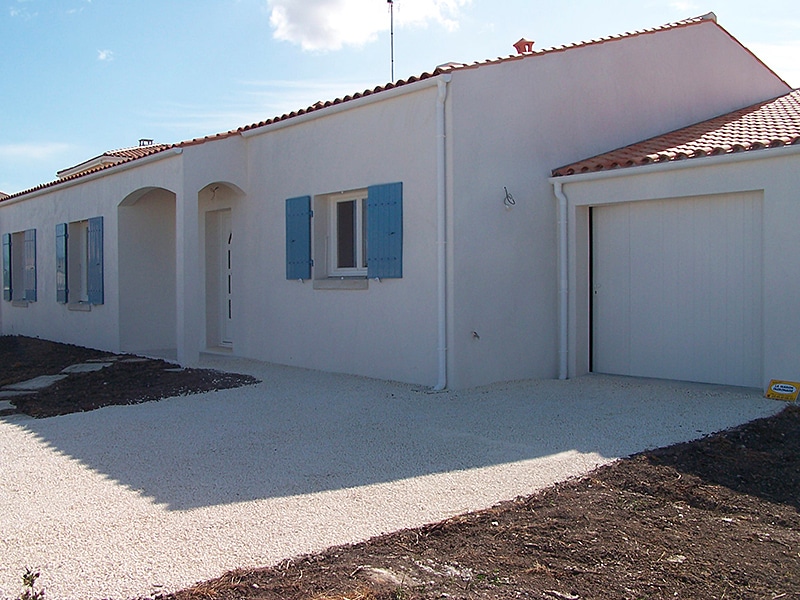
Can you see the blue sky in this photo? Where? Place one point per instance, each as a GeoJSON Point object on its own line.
{"type": "Point", "coordinates": [80, 77]}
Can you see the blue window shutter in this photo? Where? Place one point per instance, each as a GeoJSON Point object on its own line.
{"type": "Point", "coordinates": [95, 261]}
{"type": "Point", "coordinates": [6, 266]}
{"type": "Point", "coordinates": [385, 231]}
{"type": "Point", "coordinates": [298, 238]}
{"type": "Point", "coordinates": [30, 265]}
{"type": "Point", "coordinates": [62, 294]}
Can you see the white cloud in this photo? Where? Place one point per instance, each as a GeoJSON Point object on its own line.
{"type": "Point", "coordinates": [105, 55]}
{"type": "Point", "coordinates": [683, 5]}
{"type": "Point", "coordinates": [252, 102]}
{"type": "Point", "coordinates": [33, 151]}
{"type": "Point", "coordinates": [332, 24]}
{"type": "Point", "coordinates": [781, 57]}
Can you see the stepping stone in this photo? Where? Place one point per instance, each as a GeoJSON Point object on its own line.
{"type": "Point", "coordinates": [86, 367]}
{"type": "Point", "coordinates": [37, 383]}
{"type": "Point", "coordinates": [12, 394]}
{"type": "Point", "coordinates": [135, 359]}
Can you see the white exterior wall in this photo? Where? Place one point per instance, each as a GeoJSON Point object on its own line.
{"type": "Point", "coordinates": [387, 330]}
{"type": "Point", "coordinates": [775, 174]}
{"type": "Point", "coordinates": [513, 123]}
{"type": "Point", "coordinates": [91, 197]}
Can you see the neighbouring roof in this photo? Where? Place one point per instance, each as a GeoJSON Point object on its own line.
{"type": "Point", "coordinates": [110, 158]}
{"type": "Point", "coordinates": [770, 124]}
{"type": "Point", "coordinates": [145, 151]}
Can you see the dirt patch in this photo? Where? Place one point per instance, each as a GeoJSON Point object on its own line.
{"type": "Point", "coordinates": [127, 380]}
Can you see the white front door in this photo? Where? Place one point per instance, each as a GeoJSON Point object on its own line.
{"type": "Point", "coordinates": [226, 279]}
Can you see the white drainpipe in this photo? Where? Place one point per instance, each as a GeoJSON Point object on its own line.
{"type": "Point", "coordinates": [563, 281]}
{"type": "Point", "coordinates": [441, 230]}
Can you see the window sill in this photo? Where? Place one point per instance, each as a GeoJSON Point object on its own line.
{"type": "Point", "coordinates": [80, 306]}
{"type": "Point", "coordinates": [342, 283]}
{"type": "Point", "coordinates": [20, 303]}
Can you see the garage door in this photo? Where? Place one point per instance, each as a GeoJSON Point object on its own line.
{"type": "Point", "coordinates": [676, 289]}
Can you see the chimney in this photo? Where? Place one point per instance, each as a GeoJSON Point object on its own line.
{"type": "Point", "coordinates": [145, 142]}
{"type": "Point", "coordinates": [524, 46]}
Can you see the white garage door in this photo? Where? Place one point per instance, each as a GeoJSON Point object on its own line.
{"type": "Point", "coordinates": [676, 289]}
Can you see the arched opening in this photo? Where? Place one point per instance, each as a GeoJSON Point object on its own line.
{"type": "Point", "coordinates": [147, 276]}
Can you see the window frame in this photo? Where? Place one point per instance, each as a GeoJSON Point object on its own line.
{"type": "Point", "coordinates": [359, 198]}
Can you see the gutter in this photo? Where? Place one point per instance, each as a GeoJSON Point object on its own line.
{"type": "Point", "coordinates": [563, 281]}
{"type": "Point", "coordinates": [686, 163]}
{"type": "Point", "coordinates": [441, 230]}
{"type": "Point", "coordinates": [60, 185]}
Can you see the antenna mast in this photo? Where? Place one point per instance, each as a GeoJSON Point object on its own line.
{"type": "Point", "coordinates": [391, 32]}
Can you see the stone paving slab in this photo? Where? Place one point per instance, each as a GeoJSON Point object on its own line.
{"type": "Point", "coordinates": [13, 393]}
{"type": "Point", "coordinates": [37, 383]}
{"type": "Point", "coordinates": [86, 367]}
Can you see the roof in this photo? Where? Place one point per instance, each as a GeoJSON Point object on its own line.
{"type": "Point", "coordinates": [110, 158]}
{"type": "Point", "coordinates": [770, 124]}
{"type": "Point", "coordinates": [446, 68]}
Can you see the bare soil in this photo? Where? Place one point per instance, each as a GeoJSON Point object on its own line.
{"type": "Point", "coordinates": [713, 518]}
{"type": "Point", "coordinates": [127, 380]}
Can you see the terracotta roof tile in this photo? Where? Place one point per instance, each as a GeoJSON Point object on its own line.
{"type": "Point", "coordinates": [141, 152]}
{"type": "Point", "coordinates": [770, 124]}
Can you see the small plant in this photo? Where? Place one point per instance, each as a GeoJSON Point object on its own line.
{"type": "Point", "coordinates": [28, 582]}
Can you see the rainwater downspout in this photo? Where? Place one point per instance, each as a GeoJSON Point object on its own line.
{"type": "Point", "coordinates": [563, 281]}
{"type": "Point", "coordinates": [441, 231]}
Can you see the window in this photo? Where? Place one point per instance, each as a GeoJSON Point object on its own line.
{"type": "Point", "coordinates": [19, 266]}
{"type": "Point", "coordinates": [79, 262]}
{"type": "Point", "coordinates": [356, 234]}
{"type": "Point", "coordinates": [348, 244]}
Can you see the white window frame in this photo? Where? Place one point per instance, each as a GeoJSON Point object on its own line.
{"type": "Point", "coordinates": [359, 197]}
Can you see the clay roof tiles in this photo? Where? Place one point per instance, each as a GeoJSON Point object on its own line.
{"type": "Point", "coordinates": [770, 124]}
{"type": "Point", "coordinates": [142, 152]}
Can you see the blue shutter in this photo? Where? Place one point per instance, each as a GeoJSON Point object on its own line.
{"type": "Point", "coordinates": [95, 261]}
{"type": "Point", "coordinates": [298, 238]}
{"type": "Point", "coordinates": [6, 266]}
{"type": "Point", "coordinates": [30, 265]}
{"type": "Point", "coordinates": [62, 294]}
{"type": "Point", "coordinates": [385, 231]}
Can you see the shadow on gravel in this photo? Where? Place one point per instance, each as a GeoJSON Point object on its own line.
{"type": "Point", "coordinates": [301, 432]}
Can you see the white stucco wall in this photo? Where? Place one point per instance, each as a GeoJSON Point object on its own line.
{"type": "Point", "coordinates": [77, 201]}
{"type": "Point", "coordinates": [773, 173]}
{"type": "Point", "coordinates": [513, 123]}
{"type": "Point", "coordinates": [387, 330]}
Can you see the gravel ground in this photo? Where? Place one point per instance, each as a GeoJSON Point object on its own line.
{"type": "Point", "coordinates": [134, 500]}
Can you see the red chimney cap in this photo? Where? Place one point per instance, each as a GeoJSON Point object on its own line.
{"type": "Point", "coordinates": [524, 46]}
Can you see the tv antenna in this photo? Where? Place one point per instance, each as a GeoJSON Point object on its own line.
{"type": "Point", "coordinates": [391, 32]}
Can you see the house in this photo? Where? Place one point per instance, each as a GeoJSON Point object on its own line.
{"type": "Point", "coordinates": [681, 252]}
{"type": "Point", "coordinates": [409, 232]}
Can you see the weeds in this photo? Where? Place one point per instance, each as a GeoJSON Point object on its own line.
{"type": "Point", "coordinates": [28, 583]}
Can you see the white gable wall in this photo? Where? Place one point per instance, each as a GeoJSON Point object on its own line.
{"type": "Point", "coordinates": [512, 124]}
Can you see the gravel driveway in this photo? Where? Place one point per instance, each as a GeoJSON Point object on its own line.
{"type": "Point", "coordinates": [128, 501]}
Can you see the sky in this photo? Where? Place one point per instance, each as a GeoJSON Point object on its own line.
{"type": "Point", "coordinates": [81, 77]}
